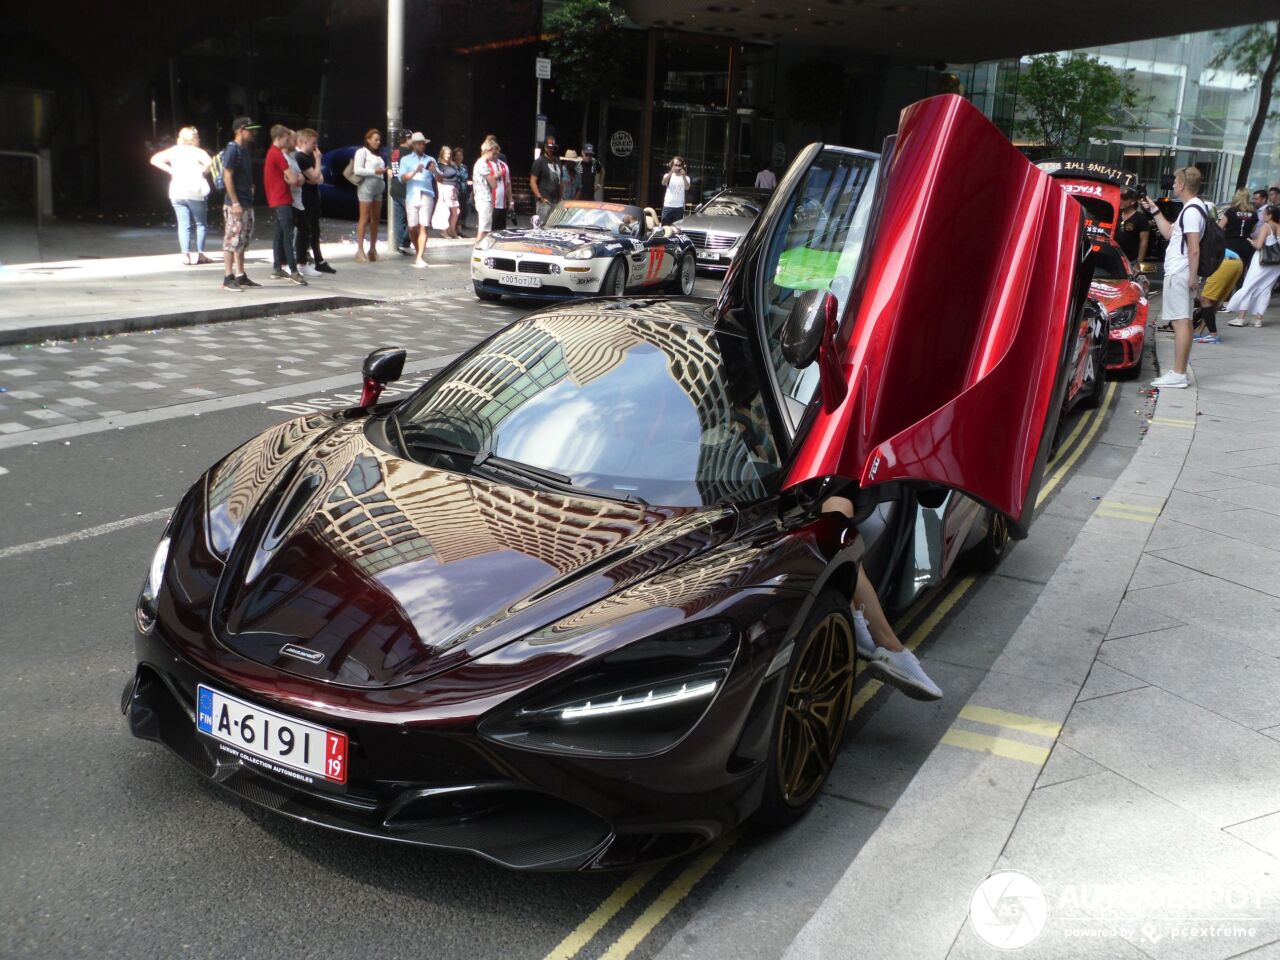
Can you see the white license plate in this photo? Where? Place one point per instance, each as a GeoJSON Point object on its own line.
{"type": "Point", "coordinates": [519, 280]}
{"type": "Point", "coordinates": [270, 740]}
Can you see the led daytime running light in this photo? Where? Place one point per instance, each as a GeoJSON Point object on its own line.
{"type": "Point", "coordinates": [654, 698]}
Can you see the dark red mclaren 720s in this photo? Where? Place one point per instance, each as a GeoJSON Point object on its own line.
{"type": "Point", "coordinates": [573, 603]}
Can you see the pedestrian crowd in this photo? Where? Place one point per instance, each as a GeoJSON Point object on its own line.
{"type": "Point", "coordinates": [426, 191]}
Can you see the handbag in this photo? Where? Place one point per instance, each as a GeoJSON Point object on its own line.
{"type": "Point", "coordinates": [1269, 255]}
{"type": "Point", "coordinates": [349, 171]}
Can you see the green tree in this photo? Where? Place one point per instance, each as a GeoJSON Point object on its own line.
{"type": "Point", "coordinates": [1255, 53]}
{"type": "Point", "coordinates": [1067, 101]}
{"type": "Point", "coordinates": [585, 46]}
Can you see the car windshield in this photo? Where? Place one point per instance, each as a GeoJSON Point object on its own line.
{"type": "Point", "coordinates": [816, 246]}
{"type": "Point", "coordinates": [617, 218]}
{"type": "Point", "coordinates": [668, 413]}
{"type": "Point", "coordinates": [1108, 264]}
{"type": "Point", "coordinates": [732, 205]}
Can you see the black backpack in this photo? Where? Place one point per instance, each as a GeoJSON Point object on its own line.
{"type": "Point", "coordinates": [1213, 241]}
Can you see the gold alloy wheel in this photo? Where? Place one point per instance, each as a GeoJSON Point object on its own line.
{"type": "Point", "coordinates": [816, 710]}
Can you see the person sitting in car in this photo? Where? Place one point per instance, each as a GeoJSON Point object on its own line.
{"type": "Point", "coordinates": [887, 658]}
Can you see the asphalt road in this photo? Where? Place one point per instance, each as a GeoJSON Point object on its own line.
{"type": "Point", "coordinates": [111, 847]}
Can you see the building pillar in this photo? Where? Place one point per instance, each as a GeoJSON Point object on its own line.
{"type": "Point", "coordinates": [646, 124]}
{"type": "Point", "coordinates": [731, 103]}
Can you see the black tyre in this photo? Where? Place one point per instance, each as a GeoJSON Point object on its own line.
{"type": "Point", "coordinates": [686, 272]}
{"type": "Point", "coordinates": [995, 544]}
{"type": "Point", "coordinates": [615, 281]}
{"type": "Point", "coordinates": [813, 711]}
{"type": "Point", "coordinates": [484, 294]}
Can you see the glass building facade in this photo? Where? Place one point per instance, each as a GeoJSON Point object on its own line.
{"type": "Point", "coordinates": [1188, 111]}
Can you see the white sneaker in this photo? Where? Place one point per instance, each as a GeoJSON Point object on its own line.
{"type": "Point", "coordinates": [308, 270]}
{"type": "Point", "coordinates": [1171, 381]}
{"type": "Point", "coordinates": [1236, 322]}
{"type": "Point", "coordinates": [901, 669]}
{"type": "Point", "coordinates": [418, 265]}
{"type": "Point", "coordinates": [862, 636]}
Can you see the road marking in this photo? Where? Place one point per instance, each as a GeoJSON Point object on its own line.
{"type": "Point", "coordinates": [1011, 721]}
{"type": "Point", "coordinates": [1114, 513]}
{"type": "Point", "coordinates": [1172, 422]}
{"type": "Point", "coordinates": [569, 947]}
{"type": "Point", "coordinates": [669, 898]}
{"type": "Point", "coordinates": [197, 407]}
{"type": "Point", "coordinates": [997, 746]}
{"type": "Point", "coordinates": [1131, 507]}
{"type": "Point", "coordinates": [79, 535]}
{"type": "Point", "coordinates": [1067, 464]}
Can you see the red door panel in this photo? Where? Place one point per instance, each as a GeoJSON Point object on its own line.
{"type": "Point", "coordinates": [954, 347]}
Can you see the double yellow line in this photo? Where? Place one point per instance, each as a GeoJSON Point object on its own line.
{"type": "Point", "coordinates": [679, 888]}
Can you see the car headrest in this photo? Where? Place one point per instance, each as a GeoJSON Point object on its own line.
{"type": "Point", "coordinates": [651, 221]}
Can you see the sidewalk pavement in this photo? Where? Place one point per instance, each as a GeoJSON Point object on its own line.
{"type": "Point", "coordinates": [115, 287]}
{"type": "Point", "coordinates": [1123, 751]}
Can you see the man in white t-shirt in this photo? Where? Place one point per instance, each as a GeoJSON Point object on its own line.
{"type": "Point", "coordinates": [676, 180]}
{"type": "Point", "coordinates": [766, 179]}
{"type": "Point", "coordinates": [1181, 269]}
{"type": "Point", "coordinates": [488, 184]}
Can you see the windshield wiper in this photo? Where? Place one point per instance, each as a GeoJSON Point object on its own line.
{"type": "Point", "coordinates": [427, 441]}
{"type": "Point", "coordinates": [549, 478]}
{"type": "Point", "coordinates": [486, 460]}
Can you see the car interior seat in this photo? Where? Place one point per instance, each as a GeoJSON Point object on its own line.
{"type": "Point", "coordinates": [651, 221]}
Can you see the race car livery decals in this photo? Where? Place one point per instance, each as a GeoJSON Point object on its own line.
{"type": "Point", "coordinates": [657, 256]}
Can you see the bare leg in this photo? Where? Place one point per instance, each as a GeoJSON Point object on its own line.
{"type": "Point", "coordinates": [1181, 344]}
{"type": "Point", "coordinates": [375, 218]}
{"type": "Point", "coordinates": [420, 242]}
{"type": "Point", "coordinates": [360, 228]}
{"type": "Point", "coordinates": [888, 661]}
{"type": "Point", "coordinates": [864, 596]}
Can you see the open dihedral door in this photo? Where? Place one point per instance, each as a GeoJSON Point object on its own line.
{"type": "Point", "coordinates": [955, 345]}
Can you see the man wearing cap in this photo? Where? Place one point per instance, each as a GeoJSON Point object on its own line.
{"type": "Point", "coordinates": [592, 173]}
{"type": "Point", "coordinates": [419, 174]}
{"type": "Point", "coordinates": [237, 210]}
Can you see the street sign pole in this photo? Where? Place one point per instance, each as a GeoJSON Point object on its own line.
{"type": "Point", "coordinates": [541, 70]}
{"type": "Point", "coordinates": [395, 95]}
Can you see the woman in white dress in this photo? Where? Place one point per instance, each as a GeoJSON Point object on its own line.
{"type": "Point", "coordinates": [1253, 297]}
{"type": "Point", "coordinates": [187, 165]}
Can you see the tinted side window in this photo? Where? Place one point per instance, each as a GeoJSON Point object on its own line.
{"type": "Point", "coordinates": [817, 246]}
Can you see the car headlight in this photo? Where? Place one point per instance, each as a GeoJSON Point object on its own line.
{"type": "Point", "coordinates": [638, 701]}
{"type": "Point", "coordinates": [486, 243]}
{"type": "Point", "coordinates": [151, 589]}
{"type": "Point", "coordinates": [581, 253]}
{"type": "Point", "coordinates": [1124, 316]}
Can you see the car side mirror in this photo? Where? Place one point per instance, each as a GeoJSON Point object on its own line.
{"type": "Point", "coordinates": [383, 366]}
{"type": "Point", "coordinates": [809, 334]}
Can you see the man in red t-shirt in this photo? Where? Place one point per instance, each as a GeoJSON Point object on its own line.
{"type": "Point", "coordinates": [279, 181]}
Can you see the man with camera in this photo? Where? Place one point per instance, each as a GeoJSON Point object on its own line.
{"type": "Point", "coordinates": [1181, 269]}
{"type": "Point", "coordinates": [676, 180]}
